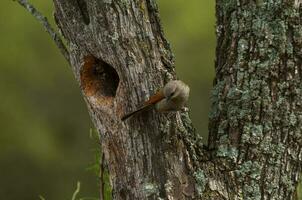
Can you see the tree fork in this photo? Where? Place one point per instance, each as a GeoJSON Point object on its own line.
{"type": "Point", "coordinates": [120, 56]}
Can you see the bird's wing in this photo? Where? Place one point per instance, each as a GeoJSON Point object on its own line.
{"type": "Point", "coordinates": [155, 98]}
{"type": "Point", "coordinates": [147, 105]}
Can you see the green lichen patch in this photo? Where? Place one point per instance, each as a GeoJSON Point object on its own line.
{"type": "Point", "coordinates": [251, 191]}
{"type": "Point", "coordinates": [259, 102]}
{"type": "Point", "coordinates": [227, 6]}
{"type": "Point", "coordinates": [234, 93]}
{"type": "Point", "coordinates": [201, 181]}
{"type": "Point", "coordinates": [252, 133]}
{"type": "Point", "coordinates": [250, 169]}
{"type": "Point", "coordinates": [225, 150]}
{"type": "Point", "coordinates": [150, 189]}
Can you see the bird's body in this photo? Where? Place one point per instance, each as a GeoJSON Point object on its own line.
{"type": "Point", "coordinates": [172, 97]}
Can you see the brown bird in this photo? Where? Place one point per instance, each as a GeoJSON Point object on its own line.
{"type": "Point", "coordinates": [172, 97]}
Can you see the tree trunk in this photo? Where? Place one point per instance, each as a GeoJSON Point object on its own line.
{"type": "Point", "coordinates": [256, 115]}
{"type": "Point", "coordinates": [120, 57]}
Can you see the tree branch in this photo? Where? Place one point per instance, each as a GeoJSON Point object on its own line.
{"type": "Point", "coordinates": [43, 20]}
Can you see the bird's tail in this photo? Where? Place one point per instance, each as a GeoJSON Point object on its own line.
{"type": "Point", "coordinates": [145, 107]}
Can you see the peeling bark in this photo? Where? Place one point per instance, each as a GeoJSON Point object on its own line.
{"type": "Point", "coordinates": [120, 57]}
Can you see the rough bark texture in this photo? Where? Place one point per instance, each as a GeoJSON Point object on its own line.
{"type": "Point", "coordinates": [256, 117]}
{"type": "Point", "coordinates": [120, 57]}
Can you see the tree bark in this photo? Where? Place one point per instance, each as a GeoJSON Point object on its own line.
{"type": "Point", "coordinates": [256, 117]}
{"type": "Point", "coordinates": [120, 57]}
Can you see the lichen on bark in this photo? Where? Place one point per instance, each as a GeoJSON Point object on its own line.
{"type": "Point", "coordinates": [255, 128]}
{"type": "Point", "coordinates": [153, 155]}
{"type": "Point", "coordinates": [256, 96]}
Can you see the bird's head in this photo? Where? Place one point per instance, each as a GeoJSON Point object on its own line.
{"type": "Point", "coordinates": [176, 89]}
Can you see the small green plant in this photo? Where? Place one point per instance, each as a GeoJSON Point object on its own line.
{"type": "Point", "coordinates": [77, 191]}
{"type": "Point", "coordinates": [95, 165]}
{"type": "Point", "coordinates": [98, 167]}
{"type": "Point", "coordinates": [299, 190]}
{"type": "Point", "coordinates": [107, 187]}
{"type": "Point", "coordinates": [75, 194]}
{"type": "Point", "coordinates": [42, 198]}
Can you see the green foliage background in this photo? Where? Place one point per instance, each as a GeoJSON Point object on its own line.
{"type": "Point", "coordinates": [44, 137]}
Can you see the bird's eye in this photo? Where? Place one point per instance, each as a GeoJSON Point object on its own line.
{"type": "Point", "coordinates": [172, 94]}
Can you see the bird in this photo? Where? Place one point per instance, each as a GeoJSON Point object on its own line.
{"type": "Point", "coordinates": [172, 97]}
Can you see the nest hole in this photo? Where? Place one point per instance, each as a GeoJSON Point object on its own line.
{"type": "Point", "coordinates": [98, 78]}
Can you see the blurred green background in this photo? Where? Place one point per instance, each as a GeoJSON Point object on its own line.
{"type": "Point", "coordinates": [44, 142]}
